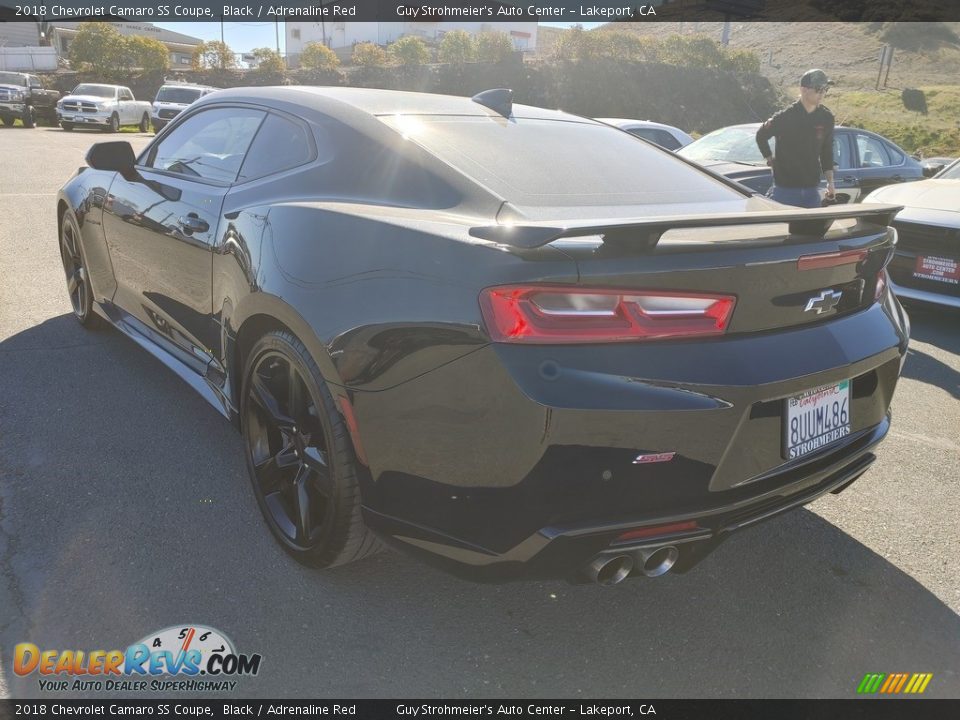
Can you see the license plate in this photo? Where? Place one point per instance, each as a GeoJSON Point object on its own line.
{"type": "Point", "coordinates": [816, 418]}
{"type": "Point", "coordinates": [941, 269]}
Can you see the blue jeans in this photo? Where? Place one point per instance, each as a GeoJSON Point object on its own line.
{"type": "Point", "coordinates": [808, 197]}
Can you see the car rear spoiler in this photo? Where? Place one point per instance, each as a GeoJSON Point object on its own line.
{"type": "Point", "coordinates": [647, 231]}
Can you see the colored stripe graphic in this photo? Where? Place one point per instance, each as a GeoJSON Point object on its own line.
{"type": "Point", "coordinates": [894, 683]}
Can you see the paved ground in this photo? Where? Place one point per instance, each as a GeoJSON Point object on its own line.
{"type": "Point", "coordinates": [124, 509]}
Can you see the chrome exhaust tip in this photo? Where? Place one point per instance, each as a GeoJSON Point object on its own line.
{"type": "Point", "coordinates": [655, 562]}
{"type": "Point", "coordinates": [607, 570]}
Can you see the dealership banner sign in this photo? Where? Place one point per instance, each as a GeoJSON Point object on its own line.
{"type": "Point", "coordinates": [487, 11]}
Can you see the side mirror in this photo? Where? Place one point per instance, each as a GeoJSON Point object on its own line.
{"type": "Point", "coordinates": [117, 155]}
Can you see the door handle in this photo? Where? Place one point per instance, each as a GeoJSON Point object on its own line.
{"type": "Point", "coordinates": [193, 223]}
{"type": "Point", "coordinates": [848, 179]}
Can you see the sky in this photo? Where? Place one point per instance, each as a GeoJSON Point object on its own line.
{"type": "Point", "coordinates": [245, 36]}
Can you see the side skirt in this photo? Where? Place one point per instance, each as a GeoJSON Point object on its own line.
{"type": "Point", "coordinates": [191, 370]}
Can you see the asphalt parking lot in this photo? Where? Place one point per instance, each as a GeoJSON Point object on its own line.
{"type": "Point", "coordinates": [125, 509]}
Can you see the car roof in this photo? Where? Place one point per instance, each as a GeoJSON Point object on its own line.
{"type": "Point", "coordinates": [619, 122]}
{"type": "Point", "coordinates": [345, 101]}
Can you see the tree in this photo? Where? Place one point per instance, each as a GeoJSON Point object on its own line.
{"type": "Point", "coordinates": [213, 54]}
{"type": "Point", "coordinates": [367, 54]}
{"type": "Point", "coordinates": [409, 50]}
{"type": "Point", "coordinates": [317, 56]}
{"type": "Point", "coordinates": [268, 61]}
{"type": "Point", "coordinates": [146, 53]}
{"type": "Point", "coordinates": [97, 47]}
{"type": "Point", "coordinates": [494, 47]}
{"type": "Point", "coordinates": [457, 48]}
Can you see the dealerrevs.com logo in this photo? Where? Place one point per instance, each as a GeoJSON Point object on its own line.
{"type": "Point", "coordinates": [179, 658]}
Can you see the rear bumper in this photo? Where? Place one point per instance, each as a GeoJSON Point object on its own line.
{"type": "Point", "coordinates": [909, 293]}
{"type": "Point", "coordinates": [515, 461]}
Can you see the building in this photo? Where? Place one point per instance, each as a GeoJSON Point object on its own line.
{"type": "Point", "coordinates": [180, 46]}
{"type": "Point", "coordinates": [340, 35]}
{"type": "Point", "coordinates": [19, 34]}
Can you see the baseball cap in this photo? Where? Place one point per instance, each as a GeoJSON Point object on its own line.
{"type": "Point", "coordinates": [815, 79]}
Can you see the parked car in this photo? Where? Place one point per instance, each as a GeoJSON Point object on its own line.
{"type": "Point", "coordinates": [666, 136]}
{"type": "Point", "coordinates": [467, 337]}
{"type": "Point", "coordinates": [108, 107]}
{"type": "Point", "coordinates": [926, 266]}
{"type": "Point", "coordinates": [23, 98]}
{"type": "Point", "coordinates": [172, 98]}
{"type": "Point", "coordinates": [863, 161]}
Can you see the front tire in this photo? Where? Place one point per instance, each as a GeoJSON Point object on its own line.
{"type": "Point", "coordinates": [299, 456]}
{"type": "Point", "coordinates": [67, 126]}
{"type": "Point", "coordinates": [75, 270]}
{"type": "Point", "coordinates": [9, 121]}
{"type": "Point", "coordinates": [114, 125]}
{"type": "Point", "coordinates": [29, 117]}
{"type": "Point", "coordinates": [145, 123]}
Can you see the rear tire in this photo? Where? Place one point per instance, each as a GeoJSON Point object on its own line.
{"type": "Point", "coordinates": [299, 456]}
{"type": "Point", "coordinates": [77, 276]}
{"type": "Point", "coordinates": [145, 123]}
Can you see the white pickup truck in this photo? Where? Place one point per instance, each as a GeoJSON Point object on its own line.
{"type": "Point", "coordinates": [105, 106]}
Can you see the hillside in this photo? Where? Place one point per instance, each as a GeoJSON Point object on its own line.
{"type": "Point", "coordinates": [849, 52]}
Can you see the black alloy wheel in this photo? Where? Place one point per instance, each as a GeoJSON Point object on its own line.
{"type": "Point", "coordinates": [299, 456]}
{"type": "Point", "coordinates": [75, 271]}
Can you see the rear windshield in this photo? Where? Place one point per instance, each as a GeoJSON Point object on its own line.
{"type": "Point", "coordinates": [9, 78]}
{"type": "Point", "coordinates": [181, 95]}
{"type": "Point", "coordinates": [95, 90]}
{"type": "Point", "coordinates": [559, 163]}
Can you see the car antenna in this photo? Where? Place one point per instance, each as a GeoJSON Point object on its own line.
{"type": "Point", "coordinates": [499, 100]}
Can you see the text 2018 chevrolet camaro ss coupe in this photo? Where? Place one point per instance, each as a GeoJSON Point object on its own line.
{"type": "Point", "coordinates": [509, 340]}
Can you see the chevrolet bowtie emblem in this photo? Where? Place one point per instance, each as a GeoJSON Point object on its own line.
{"type": "Point", "coordinates": [824, 302]}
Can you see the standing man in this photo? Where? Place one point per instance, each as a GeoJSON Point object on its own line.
{"type": "Point", "coordinates": [804, 145]}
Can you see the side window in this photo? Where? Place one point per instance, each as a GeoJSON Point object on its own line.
{"type": "Point", "coordinates": [279, 145]}
{"type": "Point", "coordinates": [872, 152]}
{"type": "Point", "coordinates": [125, 94]}
{"type": "Point", "coordinates": [35, 82]}
{"type": "Point", "coordinates": [210, 144]}
{"type": "Point", "coordinates": [896, 157]}
{"type": "Point", "coordinates": [841, 151]}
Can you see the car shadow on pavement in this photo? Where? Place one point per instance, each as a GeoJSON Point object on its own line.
{"type": "Point", "coordinates": [939, 327]}
{"type": "Point", "coordinates": [125, 509]}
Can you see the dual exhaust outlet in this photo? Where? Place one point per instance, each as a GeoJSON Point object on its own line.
{"type": "Point", "coordinates": [609, 569]}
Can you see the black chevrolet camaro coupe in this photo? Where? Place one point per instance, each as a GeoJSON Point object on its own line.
{"type": "Point", "coordinates": [512, 341]}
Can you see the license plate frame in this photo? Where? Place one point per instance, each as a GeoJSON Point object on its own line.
{"type": "Point", "coordinates": [815, 419]}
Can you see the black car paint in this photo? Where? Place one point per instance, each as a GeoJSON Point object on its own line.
{"type": "Point", "coordinates": [493, 479]}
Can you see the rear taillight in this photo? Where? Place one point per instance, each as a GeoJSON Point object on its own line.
{"type": "Point", "coordinates": [551, 314]}
{"type": "Point", "coordinates": [881, 285]}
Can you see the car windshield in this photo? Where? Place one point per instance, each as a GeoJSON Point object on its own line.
{"type": "Point", "coordinates": [951, 172]}
{"type": "Point", "coordinates": [104, 91]}
{"type": "Point", "coordinates": [181, 95]}
{"type": "Point", "coordinates": [731, 144]}
{"type": "Point", "coordinates": [542, 163]}
{"type": "Point", "coordinates": [9, 78]}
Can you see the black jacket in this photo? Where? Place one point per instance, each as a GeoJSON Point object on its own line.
{"type": "Point", "coordinates": [804, 145]}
